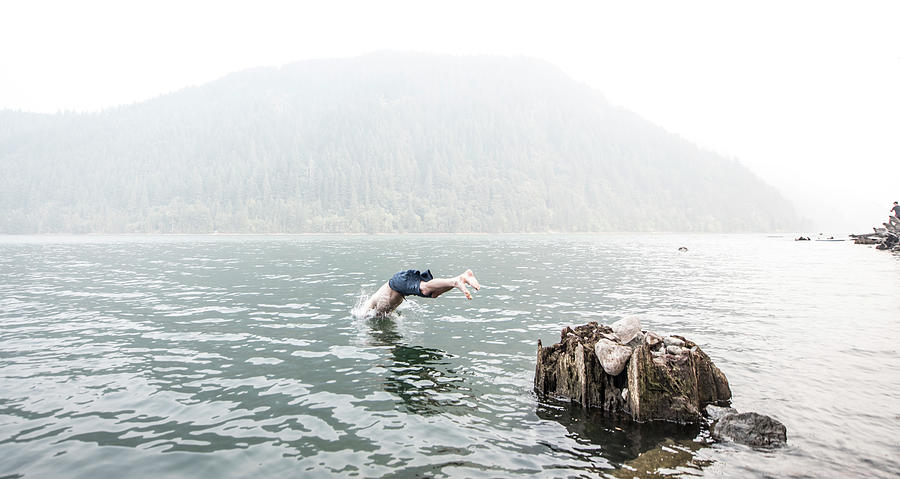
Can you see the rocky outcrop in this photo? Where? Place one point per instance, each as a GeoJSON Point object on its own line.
{"type": "Point", "coordinates": [887, 238]}
{"type": "Point", "coordinates": [751, 429]}
{"type": "Point", "coordinates": [622, 369]}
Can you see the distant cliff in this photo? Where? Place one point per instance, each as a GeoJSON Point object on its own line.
{"type": "Point", "coordinates": [385, 142]}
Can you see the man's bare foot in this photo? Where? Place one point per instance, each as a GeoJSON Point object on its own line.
{"type": "Point", "coordinates": [469, 278]}
{"type": "Point", "coordinates": [461, 285]}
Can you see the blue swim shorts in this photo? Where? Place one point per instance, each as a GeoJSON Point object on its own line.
{"type": "Point", "coordinates": [407, 282]}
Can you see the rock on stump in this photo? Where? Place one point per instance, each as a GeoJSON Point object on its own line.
{"type": "Point", "coordinates": [654, 378]}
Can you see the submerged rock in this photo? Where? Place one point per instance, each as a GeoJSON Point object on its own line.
{"type": "Point", "coordinates": [669, 455]}
{"type": "Point", "coordinates": [751, 429]}
{"type": "Point", "coordinates": [590, 368]}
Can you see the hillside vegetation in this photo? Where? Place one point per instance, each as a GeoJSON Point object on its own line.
{"type": "Point", "coordinates": [381, 143]}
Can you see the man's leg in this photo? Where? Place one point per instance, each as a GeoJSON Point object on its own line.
{"type": "Point", "coordinates": [439, 286]}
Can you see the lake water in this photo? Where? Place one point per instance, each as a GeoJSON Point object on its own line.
{"type": "Point", "coordinates": [238, 356]}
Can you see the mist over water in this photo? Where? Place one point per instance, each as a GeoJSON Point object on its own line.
{"type": "Point", "coordinates": [231, 356]}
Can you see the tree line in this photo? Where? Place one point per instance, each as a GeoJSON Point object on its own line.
{"type": "Point", "coordinates": [384, 143]}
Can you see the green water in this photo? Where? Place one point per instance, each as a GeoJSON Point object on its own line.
{"type": "Point", "coordinates": [237, 356]}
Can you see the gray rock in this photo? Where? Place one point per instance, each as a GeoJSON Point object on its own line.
{"type": "Point", "coordinates": [637, 340]}
{"type": "Point", "coordinates": [673, 341]}
{"type": "Point", "coordinates": [613, 357]}
{"type": "Point", "coordinates": [610, 336]}
{"type": "Point", "coordinates": [751, 429]}
{"type": "Point", "coordinates": [626, 329]}
{"type": "Point", "coordinates": [714, 413]}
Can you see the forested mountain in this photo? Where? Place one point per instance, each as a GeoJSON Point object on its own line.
{"type": "Point", "coordinates": [385, 142]}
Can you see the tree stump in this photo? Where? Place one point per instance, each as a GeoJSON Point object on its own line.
{"type": "Point", "coordinates": [665, 378]}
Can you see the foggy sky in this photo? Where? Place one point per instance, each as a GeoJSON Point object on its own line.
{"type": "Point", "coordinates": [806, 94]}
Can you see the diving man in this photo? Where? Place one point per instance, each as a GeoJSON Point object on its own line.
{"type": "Point", "coordinates": [413, 282]}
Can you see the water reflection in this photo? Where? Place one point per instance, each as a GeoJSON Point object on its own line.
{"type": "Point", "coordinates": [422, 377]}
{"type": "Point", "coordinates": [657, 449]}
{"type": "Point", "coordinates": [383, 330]}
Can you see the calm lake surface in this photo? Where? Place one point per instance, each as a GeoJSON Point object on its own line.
{"type": "Point", "coordinates": [238, 356]}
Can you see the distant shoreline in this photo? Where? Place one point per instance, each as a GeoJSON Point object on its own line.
{"type": "Point", "coordinates": [544, 233]}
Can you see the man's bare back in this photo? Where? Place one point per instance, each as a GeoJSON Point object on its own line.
{"type": "Point", "coordinates": [386, 299]}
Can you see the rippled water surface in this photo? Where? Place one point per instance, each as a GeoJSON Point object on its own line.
{"type": "Point", "coordinates": [238, 356]}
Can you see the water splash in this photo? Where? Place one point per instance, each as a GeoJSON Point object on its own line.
{"type": "Point", "coordinates": [360, 309]}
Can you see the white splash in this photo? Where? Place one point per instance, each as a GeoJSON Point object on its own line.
{"type": "Point", "coordinates": [360, 310]}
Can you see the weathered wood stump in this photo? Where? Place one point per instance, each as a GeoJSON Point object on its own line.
{"type": "Point", "coordinates": [622, 369]}
{"type": "Point", "coordinates": [887, 238]}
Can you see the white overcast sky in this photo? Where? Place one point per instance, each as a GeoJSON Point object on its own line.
{"type": "Point", "coordinates": [805, 93]}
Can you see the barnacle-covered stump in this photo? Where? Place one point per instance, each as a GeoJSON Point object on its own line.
{"type": "Point", "coordinates": [622, 369]}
